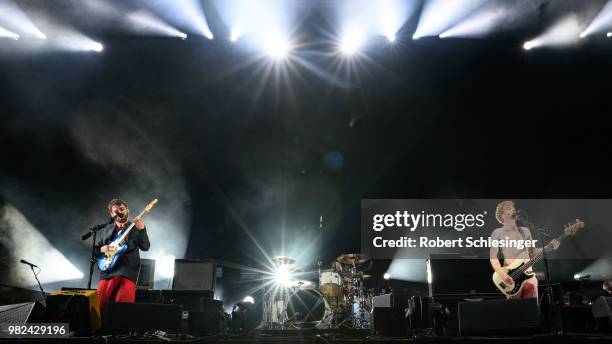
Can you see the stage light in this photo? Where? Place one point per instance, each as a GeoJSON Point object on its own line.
{"type": "Point", "coordinates": [439, 15]}
{"type": "Point", "coordinates": [350, 44]}
{"type": "Point", "coordinates": [75, 41]}
{"type": "Point", "coordinates": [165, 266]}
{"type": "Point", "coordinates": [8, 34]}
{"type": "Point", "coordinates": [565, 32]}
{"type": "Point", "coordinates": [600, 269]}
{"type": "Point", "coordinates": [97, 47]}
{"type": "Point", "coordinates": [360, 20]}
{"type": "Point", "coordinates": [282, 275]}
{"type": "Point", "coordinates": [477, 25]}
{"type": "Point", "coordinates": [601, 23]}
{"type": "Point", "coordinates": [386, 275]}
{"type": "Point", "coordinates": [248, 299]}
{"type": "Point", "coordinates": [609, 34]}
{"type": "Point", "coordinates": [146, 23]}
{"type": "Point", "coordinates": [235, 34]}
{"type": "Point", "coordinates": [17, 20]}
{"type": "Point", "coordinates": [264, 25]}
{"type": "Point", "coordinates": [277, 47]}
{"type": "Point", "coordinates": [186, 14]}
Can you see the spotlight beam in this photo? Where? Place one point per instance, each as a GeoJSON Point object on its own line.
{"type": "Point", "coordinates": [601, 23]}
{"type": "Point", "coordinates": [147, 23]}
{"type": "Point", "coordinates": [8, 34]}
{"type": "Point", "coordinates": [17, 20]}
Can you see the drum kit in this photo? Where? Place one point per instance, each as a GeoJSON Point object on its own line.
{"type": "Point", "coordinates": [340, 301]}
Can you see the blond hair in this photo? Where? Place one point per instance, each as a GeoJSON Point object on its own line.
{"type": "Point", "coordinates": [500, 210]}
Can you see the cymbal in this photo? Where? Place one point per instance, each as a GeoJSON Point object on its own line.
{"type": "Point", "coordinates": [300, 284]}
{"type": "Point", "coordinates": [284, 260]}
{"type": "Point", "coordinates": [366, 276]}
{"type": "Point", "coordinates": [352, 258]}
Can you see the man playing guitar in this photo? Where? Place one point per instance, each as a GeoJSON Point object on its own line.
{"type": "Point", "coordinates": [505, 213]}
{"type": "Point", "coordinates": [119, 283]}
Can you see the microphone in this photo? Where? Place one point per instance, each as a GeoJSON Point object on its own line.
{"type": "Point", "coordinates": [23, 261]}
{"type": "Point", "coordinates": [97, 228]}
{"type": "Point", "coordinates": [517, 214]}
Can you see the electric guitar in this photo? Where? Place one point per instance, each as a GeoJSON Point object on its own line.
{"type": "Point", "coordinates": [518, 269]}
{"type": "Point", "coordinates": [106, 261]}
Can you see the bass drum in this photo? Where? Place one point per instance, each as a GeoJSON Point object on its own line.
{"type": "Point", "coordinates": [307, 308]}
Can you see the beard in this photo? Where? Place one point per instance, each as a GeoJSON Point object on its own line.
{"type": "Point", "coordinates": [122, 218]}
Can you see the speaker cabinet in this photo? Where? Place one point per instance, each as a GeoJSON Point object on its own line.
{"type": "Point", "coordinates": [499, 317]}
{"type": "Point", "coordinates": [189, 300]}
{"type": "Point", "coordinates": [389, 321]}
{"type": "Point", "coordinates": [146, 274]}
{"type": "Point", "coordinates": [193, 275]}
{"type": "Point", "coordinates": [124, 317]}
{"type": "Point", "coordinates": [210, 320]}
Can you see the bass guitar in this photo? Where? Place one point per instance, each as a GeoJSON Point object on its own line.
{"type": "Point", "coordinates": [107, 260]}
{"type": "Point", "coordinates": [518, 269]}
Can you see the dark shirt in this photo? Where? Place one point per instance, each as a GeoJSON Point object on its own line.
{"type": "Point", "coordinates": [128, 264]}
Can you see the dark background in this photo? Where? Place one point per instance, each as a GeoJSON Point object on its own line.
{"type": "Point", "coordinates": [193, 123]}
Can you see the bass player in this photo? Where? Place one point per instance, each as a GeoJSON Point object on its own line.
{"type": "Point", "coordinates": [505, 213]}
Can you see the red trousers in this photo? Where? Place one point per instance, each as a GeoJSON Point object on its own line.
{"type": "Point", "coordinates": [118, 289]}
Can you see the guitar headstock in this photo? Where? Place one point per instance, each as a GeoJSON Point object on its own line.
{"type": "Point", "coordinates": [150, 205]}
{"type": "Point", "coordinates": [571, 229]}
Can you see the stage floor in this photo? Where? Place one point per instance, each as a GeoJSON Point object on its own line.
{"type": "Point", "coordinates": [318, 336]}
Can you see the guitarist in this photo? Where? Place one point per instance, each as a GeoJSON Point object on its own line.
{"type": "Point", "coordinates": [119, 283]}
{"type": "Point", "coordinates": [505, 213]}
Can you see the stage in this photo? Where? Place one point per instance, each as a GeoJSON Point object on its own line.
{"type": "Point", "coordinates": [319, 336]}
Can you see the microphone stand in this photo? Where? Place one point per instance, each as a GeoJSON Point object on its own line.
{"type": "Point", "coordinates": [38, 281]}
{"type": "Point", "coordinates": [92, 260]}
{"type": "Point", "coordinates": [548, 289]}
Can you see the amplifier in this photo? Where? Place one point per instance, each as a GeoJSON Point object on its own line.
{"type": "Point", "coordinates": [389, 321]}
{"type": "Point", "coordinates": [148, 296]}
{"type": "Point", "coordinates": [451, 274]}
{"type": "Point", "coordinates": [210, 320]}
{"type": "Point", "coordinates": [189, 300]}
{"type": "Point", "coordinates": [146, 274]}
{"type": "Point", "coordinates": [78, 307]}
{"type": "Point", "coordinates": [382, 301]}
{"type": "Point", "coordinates": [602, 313]}
{"type": "Point", "coordinates": [445, 310]}
{"type": "Point", "coordinates": [499, 317]}
{"type": "Point", "coordinates": [193, 275]}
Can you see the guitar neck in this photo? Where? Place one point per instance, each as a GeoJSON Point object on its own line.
{"type": "Point", "coordinates": [540, 255]}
